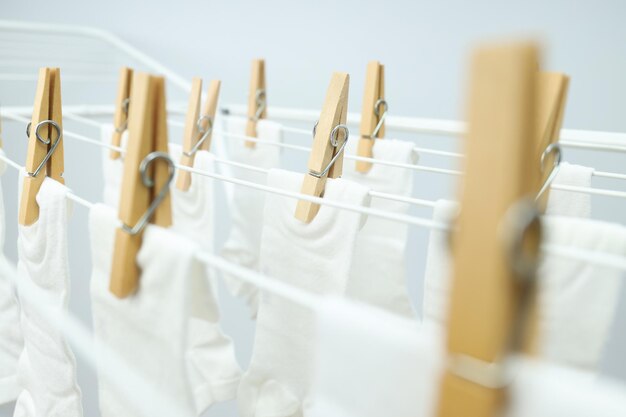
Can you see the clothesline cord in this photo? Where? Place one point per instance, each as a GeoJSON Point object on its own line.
{"type": "Point", "coordinates": [420, 150]}
{"type": "Point", "coordinates": [597, 258]}
{"type": "Point", "coordinates": [588, 190]}
{"type": "Point", "coordinates": [414, 167]}
{"type": "Point", "coordinates": [386, 196]}
{"type": "Point", "coordinates": [307, 149]}
{"type": "Point", "coordinates": [602, 141]}
{"type": "Point", "coordinates": [403, 218]}
{"type": "Point", "coordinates": [596, 173]}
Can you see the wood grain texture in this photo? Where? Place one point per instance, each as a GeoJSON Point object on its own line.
{"type": "Point", "coordinates": [334, 112]}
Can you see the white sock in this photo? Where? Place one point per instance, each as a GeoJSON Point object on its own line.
{"type": "Point", "coordinates": [47, 367]}
{"type": "Point", "coordinates": [378, 275]}
{"type": "Point", "coordinates": [244, 241]}
{"type": "Point", "coordinates": [213, 369]}
{"type": "Point", "coordinates": [437, 274]}
{"type": "Point", "coordinates": [569, 203]}
{"type": "Point", "coordinates": [11, 340]}
{"type": "Point", "coordinates": [371, 363]}
{"type": "Point", "coordinates": [147, 330]}
{"type": "Point", "coordinates": [152, 329]}
{"type": "Point", "coordinates": [193, 213]}
{"type": "Point", "coordinates": [315, 257]}
{"type": "Point", "coordinates": [578, 299]}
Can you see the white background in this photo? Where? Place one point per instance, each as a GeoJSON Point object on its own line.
{"type": "Point", "coordinates": [424, 46]}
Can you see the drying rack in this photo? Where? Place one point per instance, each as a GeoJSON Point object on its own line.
{"type": "Point", "coordinates": [92, 57]}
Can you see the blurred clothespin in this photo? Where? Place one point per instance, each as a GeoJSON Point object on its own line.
{"type": "Point", "coordinates": [145, 193]}
{"type": "Point", "coordinates": [552, 97]}
{"type": "Point", "coordinates": [198, 128]}
{"type": "Point", "coordinates": [120, 119]}
{"type": "Point", "coordinates": [44, 157]}
{"type": "Point", "coordinates": [550, 109]}
{"type": "Point", "coordinates": [494, 245]}
{"type": "Point", "coordinates": [257, 99]}
{"type": "Point", "coordinates": [329, 140]}
{"type": "Point", "coordinates": [373, 113]}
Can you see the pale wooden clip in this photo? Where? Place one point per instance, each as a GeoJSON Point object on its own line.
{"type": "Point", "coordinates": [374, 107]}
{"type": "Point", "coordinates": [552, 97]}
{"type": "Point", "coordinates": [120, 119]}
{"type": "Point", "coordinates": [190, 136]}
{"type": "Point", "coordinates": [43, 159]}
{"type": "Point", "coordinates": [257, 99]}
{"type": "Point", "coordinates": [148, 133]}
{"type": "Point", "coordinates": [333, 114]}
{"type": "Point", "coordinates": [486, 291]}
{"type": "Point", "coordinates": [210, 107]}
{"type": "Point", "coordinates": [197, 127]}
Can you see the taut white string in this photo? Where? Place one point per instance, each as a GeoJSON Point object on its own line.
{"type": "Point", "coordinates": [598, 258]}
{"type": "Point", "coordinates": [391, 197]}
{"type": "Point", "coordinates": [403, 218]}
{"type": "Point", "coordinates": [588, 190]}
{"type": "Point", "coordinates": [444, 171]}
{"type": "Point", "coordinates": [603, 141]}
{"type": "Point", "coordinates": [307, 149]}
{"type": "Point", "coordinates": [437, 152]}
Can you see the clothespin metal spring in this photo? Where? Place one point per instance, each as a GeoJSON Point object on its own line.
{"type": "Point", "coordinates": [260, 103]}
{"type": "Point", "coordinates": [556, 149]}
{"type": "Point", "coordinates": [204, 132]}
{"type": "Point", "coordinates": [333, 141]}
{"type": "Point", "coordinates": [124, 126]}
{"type": "Point", "coordinates": [380, 102]}
{"type": "Point", "coordinates": [149, 182]}
{"type": "Point", "coordinates": [55, 142]}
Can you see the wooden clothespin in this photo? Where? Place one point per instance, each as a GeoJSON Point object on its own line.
{"type": "Point", "coordinates": [257, 99]}
{"type": "Point", "coordinates": [44, 156]}
{"type": "Point", "coordinates": [552, 96]}
{"type": "Point", "coordinates": [140, 202]}
{"type": "Point", "coordinates": [331, 134]}
{"type": "Point", "coordinates": [198, 128]}
{"type": "Point", "coordinates": [496, 239]}
{"type": "Point", "coordinates": [120, 119]}
{"type": "Point", "coordinates": [373, 113]}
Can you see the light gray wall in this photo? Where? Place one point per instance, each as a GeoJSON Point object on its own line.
{"type": "Point", "coordinates": [424, 46]}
